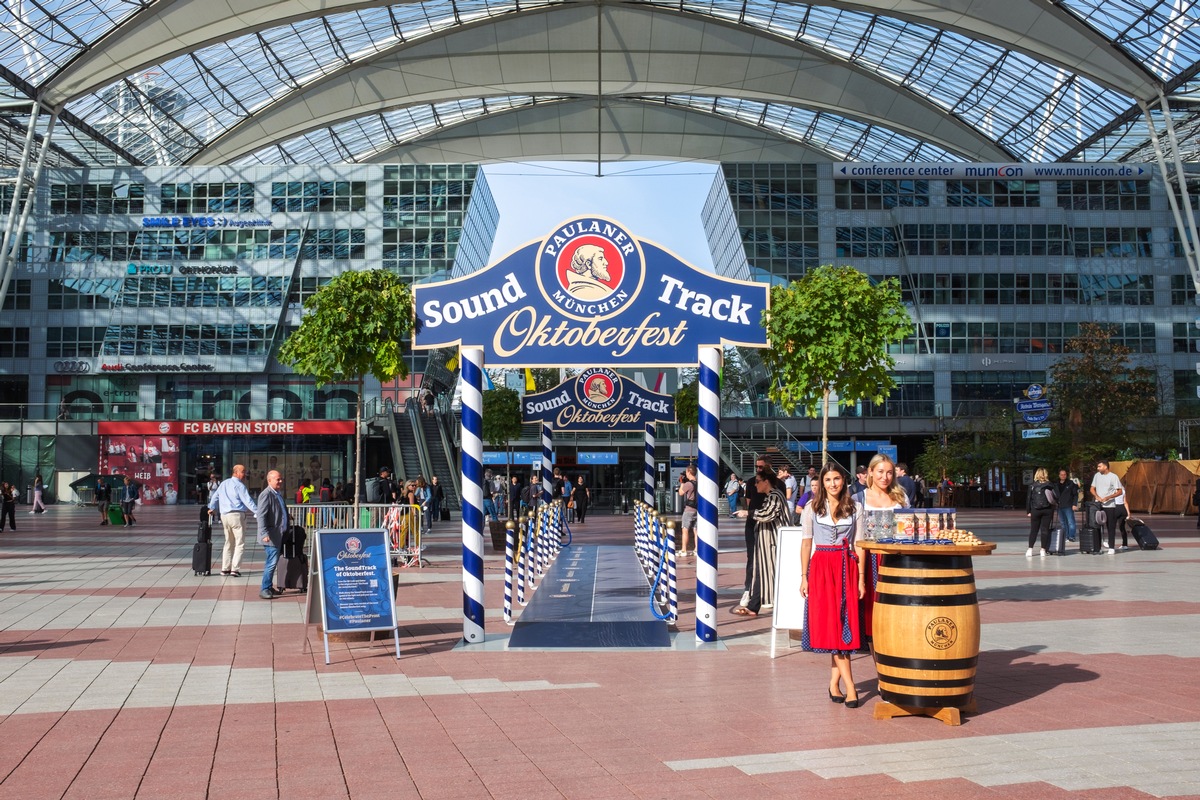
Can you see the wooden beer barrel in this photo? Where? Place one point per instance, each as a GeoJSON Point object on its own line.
{"type": "Point", "coordinates": [926, 626]}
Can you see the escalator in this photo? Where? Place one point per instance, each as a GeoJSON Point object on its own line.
{"type": "Point", "coordinates": [439, 454]}
{"type": "Point", "coordinates": [410, 454]}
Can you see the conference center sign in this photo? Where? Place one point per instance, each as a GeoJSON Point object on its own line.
{"type": "Point", "coordinates": [590, 293]}
{"type": "Point", "coordinates": [598, 400]}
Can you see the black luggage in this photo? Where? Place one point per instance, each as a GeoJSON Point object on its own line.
{"type": "Point", "coordinates": [202, 558]}
{"type": "Point", "coordinates": [1058, 541]}
{"type": "Point", "coordinates": [1144, 536]}
{"type": "Point", "coordinates": [1089, 539]}
{"type": "Point", "coordinates": [445, 513]}
{"type": "Point", "coordinates": [291, 572]}
{"type": "Point", "coordinates": [1090, 509]}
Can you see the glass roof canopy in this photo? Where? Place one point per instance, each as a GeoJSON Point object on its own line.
{"type": "Point", "coordinates": [1073, 93]}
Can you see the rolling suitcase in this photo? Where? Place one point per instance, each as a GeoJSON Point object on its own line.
{"type": "Point", "coordinates": [291, 571]}
{"type": "Point", "coordinates": [202, 558]}
{"type": "Point", "coordinates": [1090, 507]}
{"type": "Point", "coordinates": [1143, 535]}
{"type": "Point", "coordinates": [1089, 539]}
{"type": "Point", "coordinates": [204, 532]}
{"type": "Point", "coordinates": [1058, 541]}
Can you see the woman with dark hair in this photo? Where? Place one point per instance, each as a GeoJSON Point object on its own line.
{"type": "Point", "coordinates": [768, 519]}
{"type": "Point", "coordinates": [834, 579]}
{"type": "Point", "coordinates": [581, 496]}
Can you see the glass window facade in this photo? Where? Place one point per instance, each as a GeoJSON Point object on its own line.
{"type": "Point", "coordinates": [97, 198]}
{"type": "Point", "coordinates": [207, 198]}
{"type": "Point", "coordinates": [993, 194]}
{"type": "Point", "coordinates": [880, 194]}
{"type": "Point", "coordinates": [1023, 289]}
{"type": "Point", "coordinates": [14, 342]}
{"type": "Point", "coordinates": [984, 239]}
{"type": "Point", "coordinates": [977, 393]}
{"type": "Point", "coordinates": [318, 196]}
{"type": "Point", "coordinates": [1104, 195]}
{"type": "Point", "coordinates": [424, 207]}
{"type": "Point", "coordinates": [777, 217]}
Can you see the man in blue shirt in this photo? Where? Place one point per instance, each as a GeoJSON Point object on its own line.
{"type": "Point", "coordinates": [272, 519]}
{"type": "Point", "coordinates": [231, 502]}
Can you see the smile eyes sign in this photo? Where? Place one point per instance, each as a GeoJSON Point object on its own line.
{"type": "Point", "coordinates": [590, 293]}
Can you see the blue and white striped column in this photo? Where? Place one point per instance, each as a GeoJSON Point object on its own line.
{"type": "Point", "coordinates": [706, 528]}
{"type": "Point", "coordinates": [648, 472]}
{"type": "Point", "coordinates": [509, 546]}
{"type": "Point", "coordinates": [547, 466]}
{"type": "Point", "coordinates": [471, 360]}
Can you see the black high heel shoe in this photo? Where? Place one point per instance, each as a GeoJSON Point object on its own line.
{"type": "Point", "coordinates": [851, 703]}
{"type": "Point", "coordinates": [833, 698]}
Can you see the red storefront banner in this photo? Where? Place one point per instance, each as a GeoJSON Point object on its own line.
{"type": "Point", "coordinates": [252, 427]}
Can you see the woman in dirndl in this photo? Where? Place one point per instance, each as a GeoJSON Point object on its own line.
{"type": "Point", "coordinates": [877, 510]}
{"type": "Point", "coordinates": [833, 581]}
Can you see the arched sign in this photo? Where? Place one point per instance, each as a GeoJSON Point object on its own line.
{"type": "Point", "coordinates": [598, 400]}
{"type": "Point", "coordinates": [590, 293]}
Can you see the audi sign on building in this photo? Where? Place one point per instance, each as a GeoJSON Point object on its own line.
{"type": "Point", "coordinates": [72, 367]}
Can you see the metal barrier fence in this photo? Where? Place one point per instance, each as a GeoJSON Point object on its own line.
{"type": "Point", "coordinates": [530, 547]}
{"type": "Point", "coordinates": [654, 544]}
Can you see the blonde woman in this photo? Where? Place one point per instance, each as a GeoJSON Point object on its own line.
{"type": "Point", "coordinates": [877, 503]}
{"type": "Point", "coordinates": [1041, 505]}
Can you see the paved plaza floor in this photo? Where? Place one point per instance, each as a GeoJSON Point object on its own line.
{"type": "Point", "coordinates": [123, 675]}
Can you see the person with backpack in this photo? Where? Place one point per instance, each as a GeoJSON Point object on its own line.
{"type": "Point", "coordinates": [1041, 505]}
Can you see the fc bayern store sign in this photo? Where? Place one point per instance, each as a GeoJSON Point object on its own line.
{"type": "Point", "coordinates": [590, 293]}
{"type": "Point", "coordinates": [252, 427]}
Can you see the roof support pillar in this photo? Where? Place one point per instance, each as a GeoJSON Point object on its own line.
{"type": "Point", "coordinates": [24, 191]}
{"type": "Point", "coordinates": [1185, 217]}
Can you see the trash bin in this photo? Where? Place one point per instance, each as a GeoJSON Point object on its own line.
{"type": "Point", "coordinates": [115, 516]}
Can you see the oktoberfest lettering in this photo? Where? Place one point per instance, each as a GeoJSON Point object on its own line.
{"type": "Point", "coordinates": [524, 328]}
{"type": "Point", "coordinates": [573, 415]}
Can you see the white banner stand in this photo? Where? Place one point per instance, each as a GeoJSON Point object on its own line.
{"type": "Point", "coordinates": [788, 613]}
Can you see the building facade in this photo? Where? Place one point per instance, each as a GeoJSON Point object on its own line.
{"type": "Point", "coordinates": [158, 296]}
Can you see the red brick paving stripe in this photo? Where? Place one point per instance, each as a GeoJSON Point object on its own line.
{"type": "Point", "coordinates": [1042, 609]}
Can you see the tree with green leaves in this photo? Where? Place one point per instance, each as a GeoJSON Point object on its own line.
{"type": "Point", "coordinates": [829, 334]}
{"type": "Point", "coordinates": [1100, 393]}
{"type": "Point", "coordinates": [501, 417]}
{"type": "Point", "coordinates": [353, 326]}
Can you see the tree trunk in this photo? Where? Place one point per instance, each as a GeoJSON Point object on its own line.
{"type": "Point", "coordinates": [824, 430]}
{"type": "Point", "coordinates": [358, 408]}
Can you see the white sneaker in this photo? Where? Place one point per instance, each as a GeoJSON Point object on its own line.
{"type": "Point", "coordinates": [1043, 552]}
{"type": "Point", "coordinates": [1029, 553]}
{"type": "Point", "coordinates": [1110, 552]}
{"type": "Point", "coordinates": [1122, 549]}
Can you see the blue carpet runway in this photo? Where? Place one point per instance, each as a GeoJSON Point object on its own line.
{"type": "Point", "coordinates": [592, 596]}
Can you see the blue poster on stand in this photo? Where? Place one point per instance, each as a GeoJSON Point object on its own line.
{"type": "Point", "coordinates": [356, 580]}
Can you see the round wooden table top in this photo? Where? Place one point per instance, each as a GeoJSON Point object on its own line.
{"type": "Point", "coordinates": [981, 549]}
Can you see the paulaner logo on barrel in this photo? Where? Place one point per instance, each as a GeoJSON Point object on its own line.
{"type": "Point", "coordinates": [941, 633]}
{"type": "Point", "coordinates": [590, 268]}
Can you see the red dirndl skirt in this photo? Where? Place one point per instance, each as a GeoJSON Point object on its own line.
{"type": "Point", "coordinates": [867, 603]}
{"type": "Point", "coordinates": [831, 613]}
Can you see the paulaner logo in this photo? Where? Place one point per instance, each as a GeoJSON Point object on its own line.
{"type": "Point", "coordinates": [590, 268]}
{"type": "Point", "coordinates": [600, 388]}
